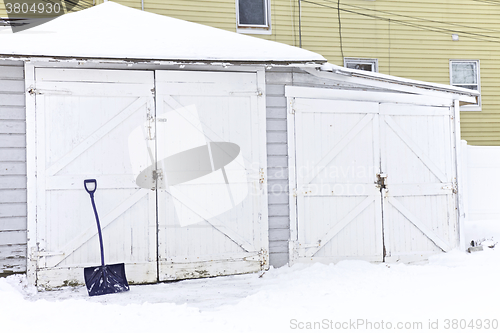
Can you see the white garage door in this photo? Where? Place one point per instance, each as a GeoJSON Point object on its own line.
{"type": "Point", "coordinates": [212, 205]}
{"type": "Point", "coordinates": [373, 181]}
{"type": "Point", "coordinates": [178, 175]}
{"type": "Point", "coordinates": [83, 122]}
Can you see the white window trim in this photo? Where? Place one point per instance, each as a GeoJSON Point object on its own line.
{"type": "Point", "coordinates": [254, 28]}
{"type": "Point", "coordinates": [373, 61]}
{"type": "Point", "coordinates": [467, 107]}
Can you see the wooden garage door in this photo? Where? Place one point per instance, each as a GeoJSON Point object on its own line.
{"type": "Point", "coordinates": [337, 156]}
{"type": "Point", "coordinates": [212, 203]}
{"type": "Point", "coordinates": [84, 121]}
{"type": "Point", "coordinates": [420, 215]}
{"type": "Point", "coordinates": [180, 188]}
{"type": "Point", "coordinates": [374, 181]}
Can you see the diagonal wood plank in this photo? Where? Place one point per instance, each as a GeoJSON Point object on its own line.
{"type": "Point", "coordinates": [415, 149]}
{"type": "Point", "coordinates": [323, 163]}
{"type": "Point", "coordinates": [97, 135]}
{"type": "Point", "coordinates": [428, 232]}
{"type": "Point", "coordinates": [85, 236]}
{"type": "Point", "coordinates": [340, 225]}
{"type": "Point", "coordinates": [200, 211]}
{"type": "Point", "coordinates": [209, 134]}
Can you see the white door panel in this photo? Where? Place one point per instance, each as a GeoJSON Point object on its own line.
{"type": "Point", "coordinates": [209, 151]}
{"type": "Point", "coordinates": [338, 205]}
{"type": "Point", "coordinates": [373, 181]}
{"type": "Point", "coordinates": [82, 132]}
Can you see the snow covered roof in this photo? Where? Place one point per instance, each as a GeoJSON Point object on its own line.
{"type": "Point", "coordinates": [110, 30]}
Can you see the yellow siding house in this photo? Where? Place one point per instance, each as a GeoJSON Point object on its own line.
{"type": "Point", "coordinates": [444, 41]}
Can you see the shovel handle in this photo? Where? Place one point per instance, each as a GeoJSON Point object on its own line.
{"type": "Point", "coordinates": [90, 181]}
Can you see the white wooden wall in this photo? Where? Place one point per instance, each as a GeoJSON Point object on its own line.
{"type": "Point", "coordinates": [12, 168]}
{"type": "Point", "coordinates": [481, 168]}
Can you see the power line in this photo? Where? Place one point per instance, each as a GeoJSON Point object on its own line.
{"type": "Point", "coordinates": [491, 2]}
{"type": "Point", "coordinates": [410, 24]}
{"type": "Point", "coordinates": [340, 29]}
{"type": "Point", "coordinates": [417, 18]}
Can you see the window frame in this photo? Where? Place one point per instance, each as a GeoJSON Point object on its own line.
{"type": "Point", "coordinates": [257, 29]}
{"type": "Point", "coordinates": [371, 61]}
{"type": "Point", "coordinates": [468, 107]}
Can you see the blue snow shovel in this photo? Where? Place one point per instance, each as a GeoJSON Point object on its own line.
{"type": "Point", "coordinates": [104, 279]}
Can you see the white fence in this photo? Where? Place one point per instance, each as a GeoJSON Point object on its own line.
{"type": "Point", "coordinates": [481, 171]}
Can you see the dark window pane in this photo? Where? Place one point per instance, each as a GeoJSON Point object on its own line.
{"type": "Point", "coordinates": [463, 73]}
{"type": "Point", "coordinates": [363, 67]}
{"type": "Point", "coordinates": [252, 12]}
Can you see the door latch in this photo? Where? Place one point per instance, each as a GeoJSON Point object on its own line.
{"type": "Point", "coordinates": [381, 180]}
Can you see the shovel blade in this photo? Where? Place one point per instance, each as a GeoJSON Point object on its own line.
{"type": "Point", "coordinates": [107, 279]}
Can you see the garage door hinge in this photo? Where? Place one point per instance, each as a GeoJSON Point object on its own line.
{"type": "Point", "coordinates": [153, 91]}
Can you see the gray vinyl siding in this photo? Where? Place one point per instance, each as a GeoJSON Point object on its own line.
{"type": "Point", "coordinates": [12, 168]}
{"type": "Point", "coordinates": [277, 166]}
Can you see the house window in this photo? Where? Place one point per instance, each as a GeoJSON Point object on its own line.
{"type": "Point", "coordinates": [370, 65]}
{"type": "Point", "coordinates": [253, 16]}
{"type": "Point", "coordinates": [465, 74]}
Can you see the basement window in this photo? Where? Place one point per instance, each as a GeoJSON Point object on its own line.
{"type": "Point", "coordinates": [364, 64]}
{"type": "Point", "coordinates": [465, 74]}
{"type": "Point", "coordinates": [253, 16]}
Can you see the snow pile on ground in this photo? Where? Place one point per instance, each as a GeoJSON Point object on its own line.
{"type": "Point", "coordinates": [352, 294]}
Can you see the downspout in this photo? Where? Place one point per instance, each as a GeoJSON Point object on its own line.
{"type": "Point", "coordinates": [300, 24]}
{"type": "Point", "coordinates": [142, 4]}
{"type": "Point", "coordinates": [461, 174]}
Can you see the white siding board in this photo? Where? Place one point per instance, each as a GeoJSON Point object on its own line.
{"type": "Point", "coordinates": [13, 154]}
{"type": "Point", "coordinates": [11, 72]}
{"type": "Point", "coordinates": [281, 222]}
{"type": "Point", "coordinates": [278, 259]}
{"type": "Point", "coordinates": [16, 195]}
{"type": "Point", "coordinates": [277, 161]}
{"type": "Point", "coordinates": [276, 112]}
{"type": "Point", "coordinates": [11, 99]}
{"type": "Point", "coordinates": [12, 168]}
{"type": "Point", "coordinates": [277, 173]}
{"type": "Point", "coordinates": [275, 89]}
{"type": "Point", "coordinates": [12, 113]}
{"type": "Point", "coordinates": [276, 137]}
{"type": "Point", "coordinates": [12, 223]}
{"type": "Point", "coordinates": [276, 125]}
{"type": "Point", "coordinates": [278, 234]}
{"type": "Point", "coordinates": [12, 127]}
{"type": "Point", "coordinates": [278, 210]}
{"type": "Point", "coordinates": [13, 237]}
{"type": "Point", "coordinates": [12, 252]}
{"type": "Point", "coordinates": [277, 246]}
{"type": "Point", "coordinates": [276, 101]}
{"type": "Point", "coordinates": [12, 182]}
{"type": "Point", "coordinates": [278, 197]}
{"type": "Point", "coordinates": [16, 209]}
{"type": "Point", "coordinates": [276, 149]}
{"type": "Point", "coordinates": [11, 85]}
{"type": "Point", "coordinates": [12, 140]}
